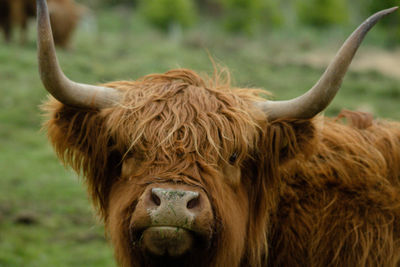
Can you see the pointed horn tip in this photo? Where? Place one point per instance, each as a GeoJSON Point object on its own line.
{"type": "Point", "coordinates": [269, 106]}
{"type": "Point", "coordinates": [390, 10]}
{"type": "Point", "coordinates": [380, 14]}
{"type": "Point", "coordinates": [393, 9]}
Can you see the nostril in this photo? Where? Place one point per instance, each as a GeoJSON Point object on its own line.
{"type": "Point", "coordinates": [156, 200]}
{"type": "Point", "coordinates": [193, 203]}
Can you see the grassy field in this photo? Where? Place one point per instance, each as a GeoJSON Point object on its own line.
{"type": "Point", "coordinates": [45, 217]}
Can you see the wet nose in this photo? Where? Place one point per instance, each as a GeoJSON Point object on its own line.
{"type": "Point", "coordinates": [183, 200]}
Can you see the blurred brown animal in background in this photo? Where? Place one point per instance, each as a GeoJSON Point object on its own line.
{"type": "Point", "coordinates": [15, 14]}
{"type": "Point", "coordinates": [187, 171]}
{"type": "Point", "coordinates": [64, 16]}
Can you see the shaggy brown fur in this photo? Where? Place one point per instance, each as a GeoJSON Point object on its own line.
{"type": "Point", "coordinates": [341, 207]}
{"type": "Point", "coordinates": [300, 193]}
{"type": "Point", "coordinates": [64, 15]}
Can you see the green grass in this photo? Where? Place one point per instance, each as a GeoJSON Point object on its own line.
{"type": "Point", "coordinates": [45, 217]}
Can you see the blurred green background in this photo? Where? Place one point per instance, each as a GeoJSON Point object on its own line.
{"type": "Point", "coordinates": [282, 46]}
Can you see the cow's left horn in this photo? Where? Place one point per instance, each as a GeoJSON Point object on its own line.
{"type": "Point", "coordinates": [322, 93]}
{"type": "Point", "coordinates": [54, 80]}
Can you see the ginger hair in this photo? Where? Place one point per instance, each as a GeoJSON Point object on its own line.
{"type": "Point", "coordinates": [314, 192]}
{"type": "Point", "coordinates": [183, 128]}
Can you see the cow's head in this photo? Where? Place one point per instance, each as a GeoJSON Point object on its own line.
{"type": "Point", "coordinates": [184, 171]}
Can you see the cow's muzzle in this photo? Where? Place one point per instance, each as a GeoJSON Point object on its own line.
{"type": "Point", "coordinates": [172, 220]}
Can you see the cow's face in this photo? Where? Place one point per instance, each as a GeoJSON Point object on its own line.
{"type": "Point", "coordinates": [183, 172]}
{"type": "Point", "coordinates": [187, 174]}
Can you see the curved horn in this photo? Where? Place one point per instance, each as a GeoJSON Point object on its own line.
{"type": "Point", "coordinates": [54, 80]}
{"type": "Point", "coordinates": [322, 93]}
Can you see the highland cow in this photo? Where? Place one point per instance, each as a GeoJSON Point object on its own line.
{"type": "Point", "coordinates": [188, 171]}
{"type": "Point", "coordinates": [64, 16]}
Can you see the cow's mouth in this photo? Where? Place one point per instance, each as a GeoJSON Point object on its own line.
{"type": "Point", "coordinates": [169, 241]}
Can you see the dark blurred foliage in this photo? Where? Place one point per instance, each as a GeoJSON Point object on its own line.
{"type": "Point", "coordinates": [322, 13]}
{"type": "Point", "coordinates": [241, 15]}
{"type": "Point", "coordinates": [210, 7]}
{"type": "Point", "coordinates": [165, 14]}
{"type": "Point", "coordinates": [246, 16]}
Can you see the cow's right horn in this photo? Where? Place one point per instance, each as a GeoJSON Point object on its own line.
{"type": "Point", "coordinates": [322, 93]}
{"type": "Point", "coordinates": [54, 80]}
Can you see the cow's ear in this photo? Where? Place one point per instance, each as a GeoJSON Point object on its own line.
{"type": "Point", "coordinates": [290, 138]}
{"type": "Point", "coordinates": [70, 129]}
{"type": "Point", "coordinates": [81, 140]}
